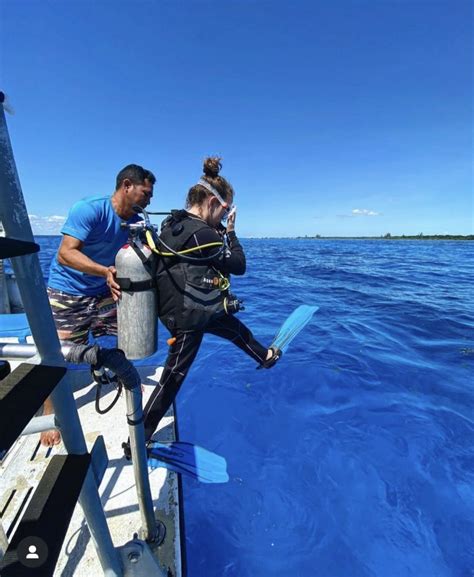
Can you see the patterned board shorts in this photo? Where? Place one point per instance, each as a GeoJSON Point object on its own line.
{"type": "Point", "coordinates": [74, 316]}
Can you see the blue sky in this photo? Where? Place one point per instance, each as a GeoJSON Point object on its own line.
{"type": "Point", "coordinates": [332, 118]}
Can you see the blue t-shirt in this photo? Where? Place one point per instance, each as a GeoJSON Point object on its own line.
{"type": "Point", "coordinates": [94, 222]}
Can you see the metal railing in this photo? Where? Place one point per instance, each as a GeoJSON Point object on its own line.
{"type": "Point", "coordinates": [14, 218]}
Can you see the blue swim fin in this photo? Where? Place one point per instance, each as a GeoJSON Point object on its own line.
{"type": "Point", "coordinates": [188, 459]}
{"type": "Point", "coordinates": [298, 319]}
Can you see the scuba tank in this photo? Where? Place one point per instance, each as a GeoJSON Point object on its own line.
{"type": "Point", "coordinates": [137, 308]}
{"type": "Point", "coordinates": [191, 289]}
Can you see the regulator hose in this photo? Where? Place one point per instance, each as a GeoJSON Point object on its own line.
{"type": "Point", "coordinates": [113, 359]}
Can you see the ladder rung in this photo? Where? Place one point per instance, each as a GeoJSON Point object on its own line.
{"type": "Point", "coordinates": [22, 393]}
{"type": "Point", "coordinates": [10, 247]}
{"type": "Point", "coordinates": [48, 515]}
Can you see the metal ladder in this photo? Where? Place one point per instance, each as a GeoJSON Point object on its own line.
{"type": "Point", "coordinates": [68, 478]}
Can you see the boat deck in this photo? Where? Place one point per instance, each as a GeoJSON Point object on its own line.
{"type": "Point", "coordinates": [23, 466]}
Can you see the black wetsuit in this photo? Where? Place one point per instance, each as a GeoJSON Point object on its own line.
{"type": "Point", "coordinates": [184, 350]}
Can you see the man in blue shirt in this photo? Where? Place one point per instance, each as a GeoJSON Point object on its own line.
{"type": "Point", "coordinates": [82, 285]}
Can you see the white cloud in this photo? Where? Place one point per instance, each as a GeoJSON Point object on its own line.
{"type": "Point", "coordinates": [46, 224]}
{"type": "Point", "coordinates": [360, 212]}
{"type": "Point", "coordinates": [364, 212]}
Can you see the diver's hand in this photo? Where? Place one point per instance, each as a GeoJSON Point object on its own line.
{"type": "Point", "coordinates": [231, 220]}
{"type": "Point", "coordinates": [112, 282]}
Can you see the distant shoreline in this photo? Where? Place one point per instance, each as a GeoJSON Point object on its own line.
{"type": "Point", "coordinates": [390, 237]}
{"type": "Point", "coordinates": [387, 238]}
{"type": "Point", "coordinates": [318, 237]}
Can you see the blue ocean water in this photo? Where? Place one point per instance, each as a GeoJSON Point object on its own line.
{"type": "Point", "coordinates": [353, 456]}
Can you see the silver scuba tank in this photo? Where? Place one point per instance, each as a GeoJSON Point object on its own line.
{"type": "Point", "coordinates": [137, 307]}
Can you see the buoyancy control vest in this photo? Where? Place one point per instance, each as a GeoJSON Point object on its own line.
{"type": "Point", "coordinates": [188, 292]}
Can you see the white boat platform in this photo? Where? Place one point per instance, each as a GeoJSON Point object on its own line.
{"type": "Point", "coordinates": [24, 465]}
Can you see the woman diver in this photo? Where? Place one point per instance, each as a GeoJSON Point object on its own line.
{"type": "Point", "coordinates": [193, 285]}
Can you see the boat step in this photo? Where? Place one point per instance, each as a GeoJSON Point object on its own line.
{"type": "Point", "coordinates": [11, 247]}
{"type": "Point", "coordinates": [46, 519]}
{"type": "Point", "coordinates": [22, 393]}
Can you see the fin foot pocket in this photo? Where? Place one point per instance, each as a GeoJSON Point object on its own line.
{"type": "Point", "coordinates": [268, 364]}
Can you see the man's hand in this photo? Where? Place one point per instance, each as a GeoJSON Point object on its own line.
{"type": "Point", "coordinates": [112, 282]}
{"type": "Point", "coordinates": [231, 220]}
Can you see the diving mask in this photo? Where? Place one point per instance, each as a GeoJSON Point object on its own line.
{"type": "Point", "coordinates": [228, 207]}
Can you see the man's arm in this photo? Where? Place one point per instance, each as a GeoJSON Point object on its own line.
{"type": "Point", "coordinates": [70, 254]}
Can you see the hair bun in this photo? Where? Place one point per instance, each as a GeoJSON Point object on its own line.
{"type": "Point", "coordinates": [212, 166]}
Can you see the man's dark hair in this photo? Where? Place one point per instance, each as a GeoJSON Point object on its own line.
{"type": "Point", "coordinates": [136, 174]}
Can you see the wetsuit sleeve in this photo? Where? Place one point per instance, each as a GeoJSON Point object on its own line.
{"type": "Point", "coordinates": [232, 260]}
{"type": "Point", "coordinates": [81, 220]}
{"type": "Point", "coordinates": [237, 255]}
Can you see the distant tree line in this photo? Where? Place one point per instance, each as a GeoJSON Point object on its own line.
{"type": "Point", "coordinates": [389, 236]}
{"type": "Point", "coordinates": [422, 236]}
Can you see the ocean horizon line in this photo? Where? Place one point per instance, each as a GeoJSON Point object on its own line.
{"type": "Point", "coordinates": [340, 237]}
